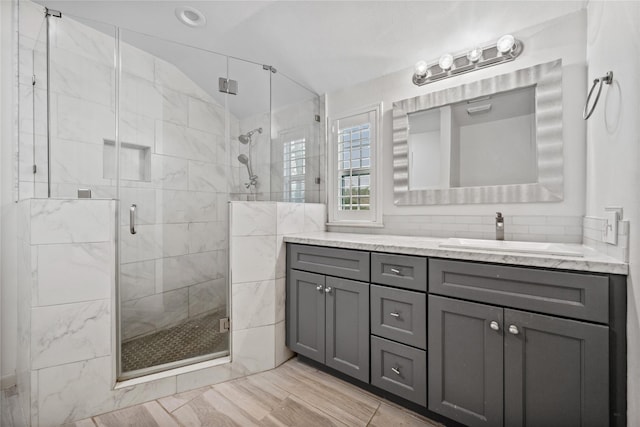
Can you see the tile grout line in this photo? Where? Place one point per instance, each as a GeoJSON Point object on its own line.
{"type": "Point", "coordinates": [170, 414]}
{"type": "Point", "coordinates": [374, 414]}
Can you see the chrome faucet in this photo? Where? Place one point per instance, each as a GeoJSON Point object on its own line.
{"type": "Point", "coordinates": [499, 226]}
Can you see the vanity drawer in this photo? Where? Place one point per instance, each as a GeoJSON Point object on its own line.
{"type": "Point", "coordinates": [399, 369]}
{"type": "Point", "coordinates": [330, 261]}
{"type": "Point", "coordinates": [402, 271]}
{"type": "Point", "coordinates": [579, 296]}
{"type": "Point", "coordinates": [399, 315]}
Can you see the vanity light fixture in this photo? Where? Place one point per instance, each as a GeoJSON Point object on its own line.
{"type": "Point", "coordinates": [506, 49]}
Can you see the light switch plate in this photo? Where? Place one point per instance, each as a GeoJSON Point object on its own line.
{"type": "Point", "coordinates": [611, 227]}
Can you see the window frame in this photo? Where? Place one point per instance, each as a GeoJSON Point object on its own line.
{"type": "Point", "coordinates": [356, 218]}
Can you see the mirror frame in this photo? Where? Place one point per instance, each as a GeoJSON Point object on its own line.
{"type": "Point", "coordinates": [547, 78]}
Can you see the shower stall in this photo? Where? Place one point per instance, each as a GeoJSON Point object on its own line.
{"type": "Point", "coordinates": [172, 133]}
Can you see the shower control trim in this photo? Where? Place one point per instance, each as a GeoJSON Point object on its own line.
{"type": "Point", "coordinates": [132, 219]}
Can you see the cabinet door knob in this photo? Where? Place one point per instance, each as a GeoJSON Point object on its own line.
{"type": "Point", "coordinates": [393, 314]}
{"type": "Point", "coordinates": [513, 329]}
{"type": "Point", "coordinates": [395, 270]}
{"type": "Point", "coordinates": [396, 371]}
{"type": "Point", "coordinates": [328, 289]}
{"type": "Point", "coordinates": [319, 288]}
{"type": "Point", "coordinates": [494, 325]}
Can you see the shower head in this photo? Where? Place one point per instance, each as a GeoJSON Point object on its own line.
{"type": "Point", "coordinates": [246, 138]}
{"type": "Point", "coordinates": [242, 158]}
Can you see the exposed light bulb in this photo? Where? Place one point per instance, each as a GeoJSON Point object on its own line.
{"type": "Point", "coordinates": [506, 43]}
{"type": "Point", "coordinates": [421, 69]}
{"type": "Point", "coordinates": [474, 55]}
{"type": "Point", "coordinates": [446, 61]}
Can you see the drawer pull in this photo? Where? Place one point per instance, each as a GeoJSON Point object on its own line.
{"type": "Point", "coordinates": [513, 329]}
{"type": "Point", "coordinates": [328, 289]}
{"type": "Point", "coordinates": [494, 325]}
{"type": "Point", "coordinates": [319, 288]}
{"type": "Point", "coordinates": [396, 371]}
{"type": "Point", "coordinates": [392, 314]}
{"type": "Point", "coordinates": [395, 271]}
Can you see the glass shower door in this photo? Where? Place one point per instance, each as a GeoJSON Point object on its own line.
{"type": "Point", "coordinates": [173, 191]}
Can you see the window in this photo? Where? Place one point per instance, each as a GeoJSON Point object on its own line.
{"type": "Point", "coordinates": [353, 155]}
{"type": "Point", "coordinates": [294, 169]}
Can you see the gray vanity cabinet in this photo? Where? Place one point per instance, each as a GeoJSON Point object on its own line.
{"type": "Point", "coordinates": [328, 317]}
{"type": "Point", "coordinates": [546, 370]}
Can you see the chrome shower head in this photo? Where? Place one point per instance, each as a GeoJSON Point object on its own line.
{"type": "Point", "coordinates": [246, 138]}
{"type": "Point", "coordinates": [242, 158]}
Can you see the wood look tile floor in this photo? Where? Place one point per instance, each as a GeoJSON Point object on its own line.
{"type": "Point", "coordinates": [293, 394]}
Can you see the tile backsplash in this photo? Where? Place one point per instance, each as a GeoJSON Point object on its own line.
{"type": "Point", "coordinates": [593, 237]}
{"type": "Point", "coordinates": [537, 228]}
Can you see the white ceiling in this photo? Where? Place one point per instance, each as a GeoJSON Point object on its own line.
{"type": "Point", "coordinates": [324, 45]}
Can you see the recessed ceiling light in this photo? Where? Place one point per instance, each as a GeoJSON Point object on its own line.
{"type": "Point", "coordinates": [190, 16]}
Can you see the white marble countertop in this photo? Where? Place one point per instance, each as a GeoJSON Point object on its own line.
{"type": "Point", "coordinates": [591, 260]}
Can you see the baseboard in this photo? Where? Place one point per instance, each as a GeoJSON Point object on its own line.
{"type": "Point", "coordinates": [7, 381]}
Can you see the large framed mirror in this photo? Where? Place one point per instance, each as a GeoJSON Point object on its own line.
{"type": "Point", "coordinates": [497, 140]}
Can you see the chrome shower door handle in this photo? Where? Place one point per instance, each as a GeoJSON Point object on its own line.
{"type": "Point", "coordinates": [132, 219]}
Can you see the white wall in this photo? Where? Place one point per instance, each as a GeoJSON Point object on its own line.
{"type": "Point", "coordinates": [563, 38]}
{"type": "Point", "coordinates": [8, 265]}
{"type": "Point", "coordinates": [613, 149]}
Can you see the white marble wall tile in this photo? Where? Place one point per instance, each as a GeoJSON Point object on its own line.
{"type": "Point", "coordinates": [185, 206]}
{"type": "Point", "coordinates": [253, 218]}
{"type": "Point", "coordinates": [253, 258]}
{"type": "Point", "coordinates": [154, 312]}
{"type": "Point", "coordinates": [136, 61]}
{"type": "Point", "coordinates": [282, 351]}
{"type": "Point", "coordinates": [144, 245]}
{"type": "Point", "coordinates": [281, 257]}
{"type": "Point", "coordinates": [179, 141]}
{"type": "Point", "coordinates": [207, 297]}
{"type": "Point", "coordinates": [139, 96]}
{"type": "Point", "coordinates": [145, 201]}
{"type": "Point", "coordinates": [290, 218]}
{"type": "Point", "coordinates": [70, 221]}
{"type": "Point", "coordinates": [206, 116]}
{"type": "Point", "coordinates": [137, 280]}
{"type": "Point", "coordinates": [74, 272]}
{"type": "Point", "coordinates": [207, 236]}
{"type": "Point", "coordinates": [280, 298]}
{"type": "Point", "coordinates": [315, 217]}
{"type": "Point", "coordinates": [80, 163]}
{"type": "Point", "coordinates": [76, 37]}
{"type": "Point", "coordinates": [253, 305]}
{"type": "Point", "coordinates": [205, 176]}
{"type": "Point", "coordinates": [137, 129]}
{"type": "Point", "coordinates": [81, 77]}
{"type": "Point", "coordinates": [178, 272]}
{"type": "Point", "coordinates": [168, 75]}
{"type": "Point", "coordinates": [169, 172]}
{"type": "Point", "coordinates": [79, 120]}
{"type": "Point", "coordinates": [70, 332]}
{"type": "Point", "coordinates": [254, 349]}
{"type": "Point", "coordinates": [174, 106]}
{"type": "Point", "coordinates": [205, 377]}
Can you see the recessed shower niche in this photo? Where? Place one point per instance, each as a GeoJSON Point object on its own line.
{"type": "Point", "coordinates": [135, 161]}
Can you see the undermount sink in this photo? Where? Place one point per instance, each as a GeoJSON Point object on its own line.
{"type": "Point", "coordinates": [511, 246]}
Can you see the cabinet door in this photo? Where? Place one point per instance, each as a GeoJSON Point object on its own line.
{"type": "Point", "coordinates": [306, 314]}
{"type": "Point", "coordinates": [556, 371]}
{"type": "Point", "coordinates": [348, 327]}
{"type": "Point", "coordinates": [465, 361]}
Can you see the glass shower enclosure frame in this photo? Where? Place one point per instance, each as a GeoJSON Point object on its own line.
{"type": "Point", "coordinates": [128, 117]}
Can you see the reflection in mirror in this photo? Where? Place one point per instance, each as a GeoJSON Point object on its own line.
{"type": "Point", "coordinates": [496, 140]}
{"type": "Point", "coordinates": [489, 140]}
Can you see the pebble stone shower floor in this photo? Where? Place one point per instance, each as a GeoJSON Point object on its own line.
{"type": "Point", "coordinates": [196, 337]}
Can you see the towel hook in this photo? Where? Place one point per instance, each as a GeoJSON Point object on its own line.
{"type": "Point", "coordinates": [608, 78]}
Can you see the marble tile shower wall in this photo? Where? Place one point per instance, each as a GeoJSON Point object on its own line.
{"type": "Point", "coordinates": [283, 125]}
{"type": "Point", "coordinates": [258, 267]}
{"type": "Point", "coordinates": [535, 228]}
{"type": "Point", "coordinates": [174, 168]}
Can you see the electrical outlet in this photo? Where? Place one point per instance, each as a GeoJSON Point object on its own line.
{"type": "Point", "coordinates": [611, 227]}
